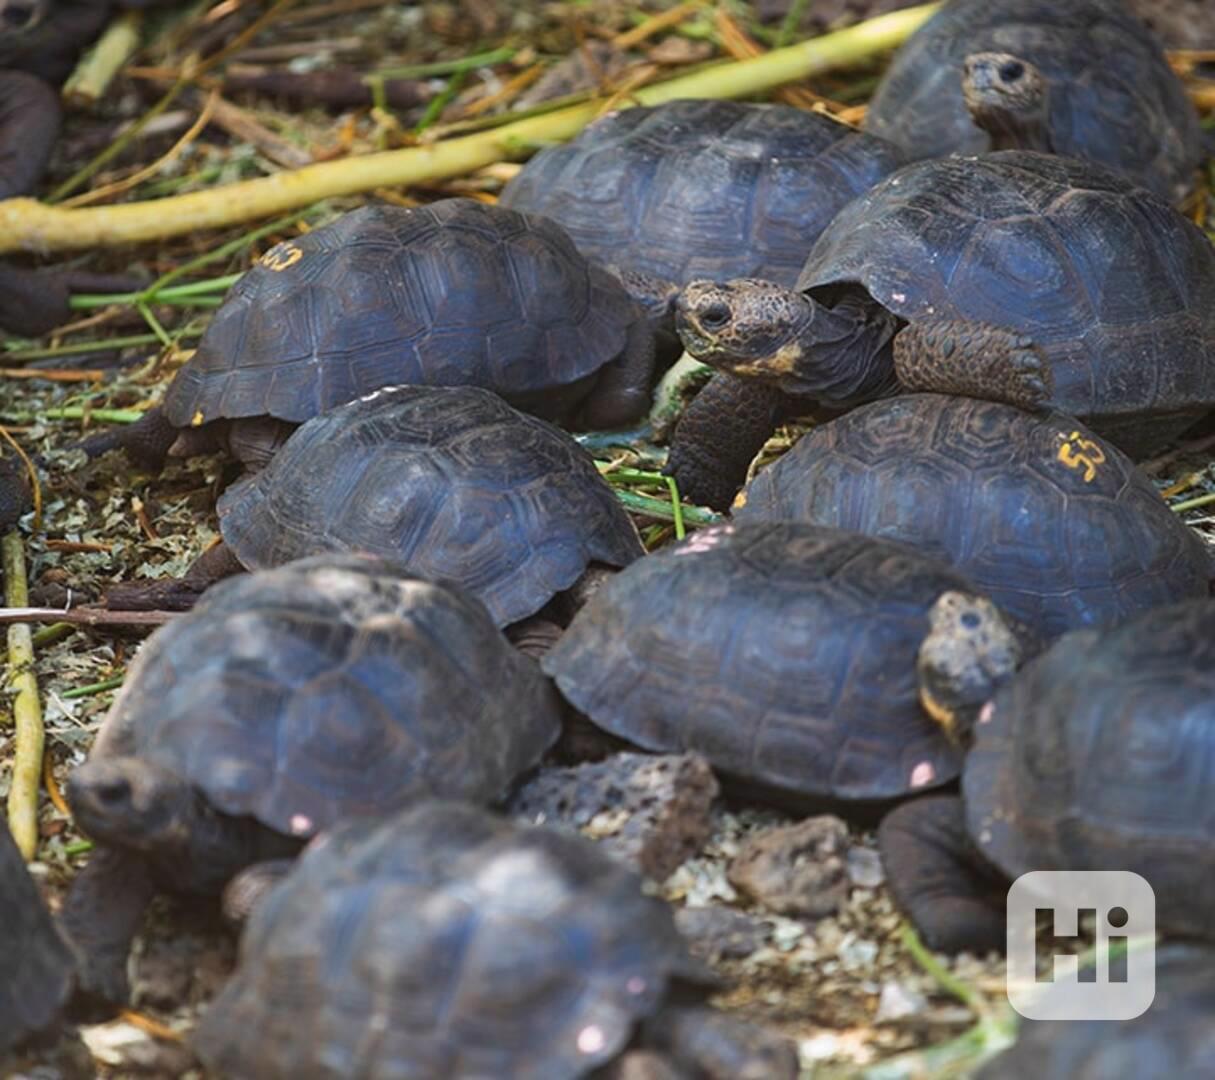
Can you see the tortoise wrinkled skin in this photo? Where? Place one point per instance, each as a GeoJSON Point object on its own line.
{"type": "Point", "coordinates": [1173, 1038]}
{"type": "Point", "coordinates": [1099, 755]}
{"type": "Point", "coordinates": [1052, 522]}
{"type": "Point", "coordinates": [702, 189]}
{"type": "Point", "coordinates": [454, 293]}
{"type": "Point", "coordinates": [451, 482]}
{"type": "Point", "coordinates": [785, 653]}
{"type": "Point", "coordinates": [443, 942]}
{"type": "Point", "coordinates": [1114, 286]}
{"type": "Point", "coordinates": [38, 964]}
{"type": "Point", "coordinates": [1113, 98]}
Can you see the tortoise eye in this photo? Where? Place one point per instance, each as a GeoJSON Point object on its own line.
{"type": "Point", "coordinates": [714, 316]}
{"type": "Point", "coordinates": [1012, 71]}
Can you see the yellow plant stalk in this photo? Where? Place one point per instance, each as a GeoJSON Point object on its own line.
{"type": "Point", "coordinates": [27, 225]}
{"type": "Point", "coordinates": [27, 709]}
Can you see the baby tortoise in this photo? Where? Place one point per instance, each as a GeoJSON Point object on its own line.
{"type": "Point", "coordinates": [1015, 276]}
{"type": "Point", "coordinates": [444, 943]}
{"type": "Point", "coordinates": [288, 699]}
{"type": "Point", "coordinates": [1097, 756]}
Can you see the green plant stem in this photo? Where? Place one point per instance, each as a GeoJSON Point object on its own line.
{"type": "Point", "coordinates": [177, 293]}
{"type": "Point", "coordinates": [436, 105]}
{"type": "Point", "coordinates": [48, 635]}
{"type": "Point", "coordinates": [1194, 503]}
{"type": "Point", "coordinates": [79, 412]}
{"type": "Point", "coordinates": [661, 509]}
{"type": "Point", "coordinates": [948, 982]}
{"type": "Point", "coordinates": [676, 507]}
{"type": "Point", "coordinates": [26, 224]}
{"type": "Point", "coordinates": [445, 67]}
{"type": "Point", "coordinates": [29, 735]}
{"type": "Point", "coordinates": [111, 683]}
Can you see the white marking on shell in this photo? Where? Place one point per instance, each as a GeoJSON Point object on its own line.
{"type": "Point", "coordinates": [300, 824]}
{"type": "Point", "coordinates": [923, 774]}
{"type": "Point", "coordinates": [987, 712]}
{"type": "Point", "coordinates": [635, 985]}
{"type": "Point", "coordinates": [899, 297]}
{"type": "Point", "coordinates": [591, 1039]}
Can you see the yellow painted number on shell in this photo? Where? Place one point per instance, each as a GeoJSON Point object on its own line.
{"type": "Point", "coordinates": [281, 256]}
{"type": "Point", "coordinates": [1077, 452]}
{"type": "Point", "coordinates": [197, 419]}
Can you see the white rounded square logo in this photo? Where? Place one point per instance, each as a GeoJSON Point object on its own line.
{"type": "Point", "coordinates": [1117, 987]}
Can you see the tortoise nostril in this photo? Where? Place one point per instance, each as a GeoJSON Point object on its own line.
{"type": "Point", "coordinates": [715, 315]}
{"type": "Point", "coordinates": [1012, 70]}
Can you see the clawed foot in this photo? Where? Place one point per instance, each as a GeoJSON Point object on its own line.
{"type": "Point", "coordinates": [102, 989]}
{"type": "Point", "coordinates": [1030, 372]}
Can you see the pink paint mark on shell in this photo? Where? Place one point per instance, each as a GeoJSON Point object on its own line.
{"type": "Point", "coordinates": [923, 774]}
{"type": "Point", "coordinates": [300, 824]}
{"type": "Point", "coordinates": [635, 985]}
{"type": "Point", "coordinates": [987, 712]}
{"type": "Point", "coordinates": [591, 1040]}
{"type": "Point", "coordinates": [704, 540]}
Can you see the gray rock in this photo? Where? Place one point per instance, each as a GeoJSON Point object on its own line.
{"type": "Point", "coordinates": [795, 870]}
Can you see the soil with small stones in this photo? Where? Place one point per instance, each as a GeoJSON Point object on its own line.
{"type": "Point", "coordinates": [844, 983]}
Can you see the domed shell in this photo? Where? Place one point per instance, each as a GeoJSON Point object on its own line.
{"type": "Point", "coordinates": [451, 482]}
{"type": "Point", "coordinates": [1112, 96]}
{"type": "Point", "coordinates": [457, 293]}
{"type": "Point", "coordinates": [1114, 285]}
{"type": "Point", "coordinates": [1099, 755]}
{"type": "Point", "coordinates": [785, 653]}
{"type": "Point", "coordinates": [333, 687]}
{"type": "Point", "coordinates": [702, 189]}
{"type": "Point", "coordinates": [443, 942]}
{"type": "Point", "coordinates": [1054, 523]}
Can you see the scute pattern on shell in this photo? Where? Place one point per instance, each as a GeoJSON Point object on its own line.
{"type": "Point", "coordinates": [452, 294]}
{"type": "Point", "coordinates": [451, 482]}
{"type": "Point", "coordinates": [1113, 96]}
{"type": "Point", "coordinates": [1056, 525]}
{"type": "Point", "coordinates": [1114, 285]}
{"type": "Point", "coordinates": [1100, 755]}
{"type": "Point", "coordinates": [702, 189]}
{"type": "Point", "coordinates": [329, 688]}
{"type": "Point", "coordinates": [443, 942]}
{"type": "Point", "coordinates": [785, 653]}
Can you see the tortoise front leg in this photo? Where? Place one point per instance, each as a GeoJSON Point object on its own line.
{"type": "Point", "coordinates": [621, 394]}
{"type": "Point", "coordinates": [974, 360]}
{"type": "Point", "coordinates": [146, 442]}
{"type": "Point", "coordinates": [102, 913]}
{"type": "Point", "coordinates": [720, 433]}
{"type": "Point", "coordinates": [952, 896]}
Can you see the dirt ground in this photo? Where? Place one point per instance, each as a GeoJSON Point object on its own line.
{"type": "Point", "coordinates": [845, 985]}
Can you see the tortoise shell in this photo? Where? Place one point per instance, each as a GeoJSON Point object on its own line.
{"type": "Point", "coordinates": [449, 481]}
{"type": "Point", "coordinates": [1173, 1038]}
{"type": "Point", "coordinates": [455, 293]}
{"type": "Point", "coordinates": [784, 653]}
{"type": "Point", "coordinates": [333, 687]}
{"type": "Point", "coordinates": [1058, 526]}
{"type": "Point", "coordinates": [1115, 286]}
{"type": "Point", "coordinates": [38, 964]}
{"type": "Point", "coordinates": [1099, 755]}
{"type": "Point", "coordinates": [702, 189]}
{"type": "Point", "coordinates": [447, 942]}
{"type": "Point", "coordinates": [1113, 97]}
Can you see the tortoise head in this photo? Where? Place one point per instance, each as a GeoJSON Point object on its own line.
{"type": "Point", "coordinates": [130, 802]}
{"type": "Point", "coordinates": [968, 653]}
{"type": "Point", "coordinates": [745, 326]}
{"type": "Point", "coordinates": [1009, 99]}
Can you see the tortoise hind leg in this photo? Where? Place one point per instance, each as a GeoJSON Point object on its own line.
{"type": "Point", "coordinates": [103, 911]}
{"type": "Point", "coordinates": [974, 360]}
{"type": "Point", "coordinates": [940, 881]}
{"type": "Point", "coordinates": [720, 433]}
